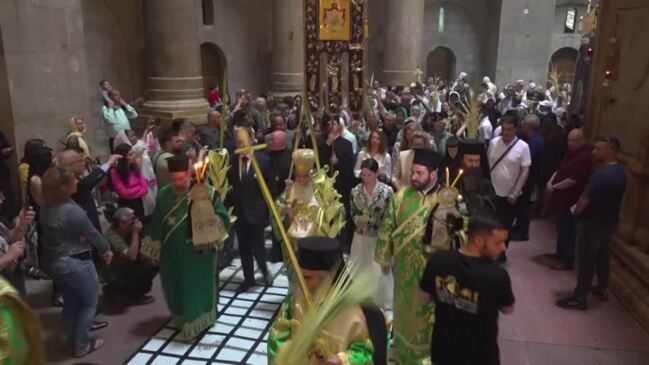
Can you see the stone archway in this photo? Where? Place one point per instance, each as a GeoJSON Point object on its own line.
{"type": "Point", "coordinates": [565, 60]}
{"type": "Point", "coordinates": [441, 62]}
{"type": "Point", "coordinates": [214, 67]}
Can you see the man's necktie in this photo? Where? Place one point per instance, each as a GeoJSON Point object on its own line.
{"type": "Point", "coordinates": [244, 166]}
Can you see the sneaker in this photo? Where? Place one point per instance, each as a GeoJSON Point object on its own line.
{"type": "Point", "coordinates": [572, 303]}
{"type": "Point", "coordinates": [97, 325]}
{"type": "Point", "coordinates": [92, 347]}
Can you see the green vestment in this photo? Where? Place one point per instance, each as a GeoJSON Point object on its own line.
{"type": "Point", "coordinates": [400, 246]}
{"type": "Point", "coordinates": [188, 276]}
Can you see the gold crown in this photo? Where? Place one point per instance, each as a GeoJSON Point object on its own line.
{"type": "Point", "coordinates": [304, 158]}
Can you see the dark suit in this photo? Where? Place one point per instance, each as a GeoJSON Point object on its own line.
{"type": "Point", "coordinates": [280, 162]}
{"type": "Point", "coordinates": [345, 180]}
{"type": "Point", "coordinates": [83, 197]}
{"type": "Point", "coordinates": [251, 211]}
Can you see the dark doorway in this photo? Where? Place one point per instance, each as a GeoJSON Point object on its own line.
{"type": "Point", "coordinates": [214, 67]}
{"type": "Point", "coordinates": [565, 61]}
{"type": "Point", "coordinates": [441, 63]}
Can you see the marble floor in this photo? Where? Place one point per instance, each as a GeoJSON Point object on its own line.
{"type": "Point", "coordinates": [537, 333]}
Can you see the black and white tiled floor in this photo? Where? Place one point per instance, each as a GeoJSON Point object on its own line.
{"type": "Point", "coordinates": [239, 335]}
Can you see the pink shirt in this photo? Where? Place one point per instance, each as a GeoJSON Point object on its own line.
{"type": "Point", "coordinates": [136, 187]}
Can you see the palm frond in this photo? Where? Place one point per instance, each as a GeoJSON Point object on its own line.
{"type": "Point", "coordinates": [352, 287]}
{"type": "Point", "coordinates": [555, 77]}
{"type": "Point", "coordinates": [470, 113]}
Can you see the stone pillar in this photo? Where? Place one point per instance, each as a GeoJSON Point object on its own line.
{"type": "Point", "coordinates": [175, 82]}
{"type": "Point", "coordinates": [403, 37]}
{"type": "Point", "coordinates": [524, 41]}
{"type": "Point", "coordinates": [287, 77]}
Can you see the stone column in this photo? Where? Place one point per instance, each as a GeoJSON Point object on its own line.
{"type": "Point", "coordinates": [403, 41]}
{"type": "Point", "coordinates": [287, 76]}
{"type": "Point", "coordinates": [175, 82]}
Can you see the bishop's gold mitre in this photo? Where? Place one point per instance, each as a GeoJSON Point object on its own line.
{"type": "Point", "coordinates": [303, 158]}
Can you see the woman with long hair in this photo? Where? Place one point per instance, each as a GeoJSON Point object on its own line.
{"type": "Point", "coordinates": [368, 203]}
{"type": "Point", "coordinates": [128, 182]}
{"type": "Point", "coordinates": [31, 145]}
{"type": "Point", "coordinates": [71, 237]}
{"type": "Point", "coordinates": [376, 149]}
{"type": "Point", "coordinates": [41, 160]}
{"type": "Point", "coordinates": [143, 153]}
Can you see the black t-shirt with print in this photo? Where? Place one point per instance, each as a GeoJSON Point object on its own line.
{"type": "Point", "coordinates": [468, 293]}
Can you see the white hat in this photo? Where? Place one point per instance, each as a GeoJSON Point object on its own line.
{"type": "Point", "coordinates": [486, 80]}
{"type": "Point", "coordinates": [463, 75]}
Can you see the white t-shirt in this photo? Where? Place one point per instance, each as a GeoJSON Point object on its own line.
{"type": "Point", "coordinates": [485, 129]}
{"type": "Point", "coordinates": [504, 176]}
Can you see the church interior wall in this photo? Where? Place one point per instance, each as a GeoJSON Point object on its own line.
{"type": "Point", "coordinates": [243, 30]}
{"type": "Point", "coordinates": [115, 51]}
{"type": "Point", "coordinates": [465, 35]}
{"type": "Point", "coordinates": [44, 50]}
{"type": "Point", "coordinates": [525, 38]}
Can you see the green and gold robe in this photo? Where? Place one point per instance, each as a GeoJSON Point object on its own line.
{"type": "Point", "coordinates": [400, 246]}
{"type": "Point", "coordinates": [20, 331]}
{"type": "Point", "coordinates": [347, 332]}
{"type": "Point", "coordinates": [188, 276]}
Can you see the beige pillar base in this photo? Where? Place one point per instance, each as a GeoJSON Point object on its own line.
{"type": "Point", "coordinates": [197, 115]}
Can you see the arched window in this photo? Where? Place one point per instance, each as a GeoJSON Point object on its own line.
{"type": "Point", "coordinates": [208, 12]}
{"type": "Point", "coordinates": [441, 22]}
{"type": "Point", "coordinates": [571, 20]}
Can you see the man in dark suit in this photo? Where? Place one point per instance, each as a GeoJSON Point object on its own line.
{"type": "Point", "coordinates": [250, 209]}
{"type": "Point", "coordinates": [73, 161]}
{"type": "Point", "coordinates": [280, 161]}
{"type": "Point", "coordinates": [339, 154]}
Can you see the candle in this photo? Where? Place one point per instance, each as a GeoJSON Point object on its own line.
{"type": "Point", "coordinates": [448, 177]}
{"type": "Point", "coordinates": [197, 167]}
{"type": "Point", "coordinates": [457, 177]}
{"type": "Point", "coordinates": [205, 164]}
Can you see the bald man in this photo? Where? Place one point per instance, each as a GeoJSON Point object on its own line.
{"type": "Point", "coordinates": [566, 186]}
{"type": "Point", "coordinates": [73, 161]}
{"type": "Point", "coordinates": [280, 158]}
{"type": "Point", "coordinates": [278, 123]}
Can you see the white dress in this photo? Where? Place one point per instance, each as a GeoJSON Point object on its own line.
{"type": "Point", "coordinates": [369, 207]}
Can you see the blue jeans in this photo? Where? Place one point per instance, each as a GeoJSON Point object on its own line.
{"type": "Point", "coordinates": [566, 237]}
{"type": "Point", "coordinates": [77, 280]}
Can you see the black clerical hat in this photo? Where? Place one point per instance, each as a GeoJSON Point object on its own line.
{"type": "Point", "coordinates": [178, 164]}
{"type": "Point", "coordinates": [319, 253]}
{"type": "Point", "coordinates": [428, 158]}
{"type": "Point", "coordinates": [472, 147]}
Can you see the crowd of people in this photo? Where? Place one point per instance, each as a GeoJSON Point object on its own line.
{"type": "Point", "coordinates": [515, 154]}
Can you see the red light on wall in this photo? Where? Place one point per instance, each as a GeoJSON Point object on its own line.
{"type": "Point", "coordinates": [607, 74]}
{"type": "Point", "coordinates": [590, 51]}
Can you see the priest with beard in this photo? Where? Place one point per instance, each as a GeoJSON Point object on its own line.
{"type": "Point", "coordinates": [475, 187]}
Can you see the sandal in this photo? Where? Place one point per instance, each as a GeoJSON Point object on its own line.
{"type": "Point", "coordinates": [94, 345]}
